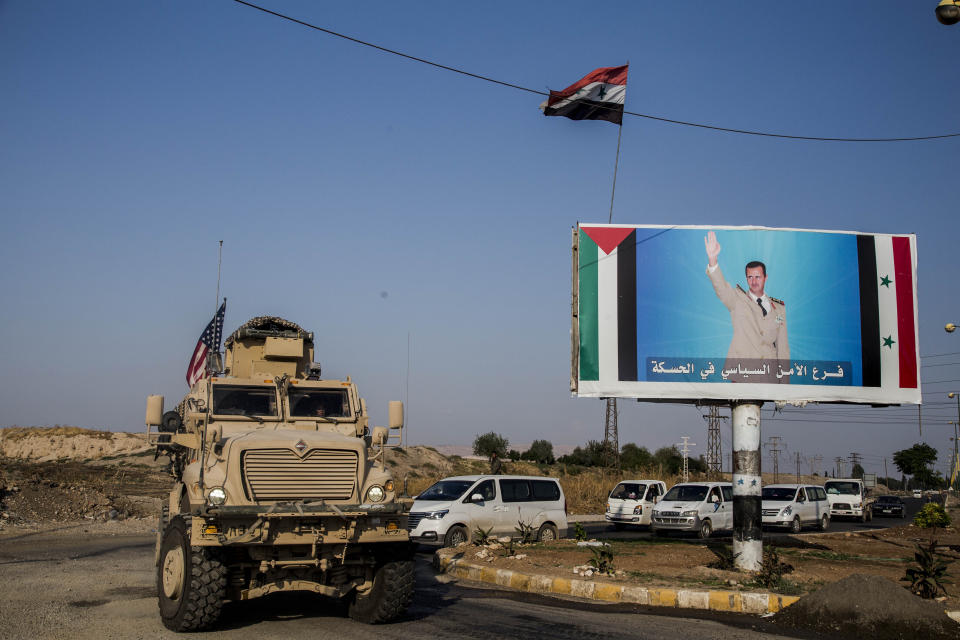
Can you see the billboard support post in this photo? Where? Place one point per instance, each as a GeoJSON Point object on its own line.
{"type": "Point", "coordinates": [747, 485]}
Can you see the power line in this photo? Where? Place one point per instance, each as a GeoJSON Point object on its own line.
{"type": "Point", "coordinates": [542, 93]}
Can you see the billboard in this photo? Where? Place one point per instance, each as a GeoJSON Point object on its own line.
{"type": "Point", "coordinates": [744, 313]}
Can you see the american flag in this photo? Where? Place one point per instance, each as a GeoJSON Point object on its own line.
{"type": "Point", "coordinates": [209, 342]}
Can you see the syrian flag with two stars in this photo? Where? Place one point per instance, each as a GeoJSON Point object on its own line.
{"type": "Point", "coordinates": [599, 95]}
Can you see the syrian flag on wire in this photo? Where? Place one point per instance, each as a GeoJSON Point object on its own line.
{"type": "Point", "coordinates": [597, 96]}
{"type": "Point", "coordinates": [209, 342]}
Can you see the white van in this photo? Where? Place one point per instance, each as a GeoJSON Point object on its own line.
{"type": "Point", "coordinates": [452, 509]}
{"type": "Point", "coordinates": [631, 502]}
{"type": "Point", "coordinates": [791, 506]}
{"type": "Point", "coordinates": [703, 507]}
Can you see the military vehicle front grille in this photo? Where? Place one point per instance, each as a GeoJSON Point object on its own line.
{"type": "Point", "coordinates": [271, 475]}
{"type": "Point", "coordinates": [414, 519]}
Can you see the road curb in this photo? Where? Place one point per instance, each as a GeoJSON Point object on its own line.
{"type": "Point", "coordinates": [452, 562]}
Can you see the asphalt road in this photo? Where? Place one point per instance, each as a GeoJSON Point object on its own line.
{"type": "Point", "coordinates": [78, 586]}
{"type": "Point", "coordinates": [603, 530]}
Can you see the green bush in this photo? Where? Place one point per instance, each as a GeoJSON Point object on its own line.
{"type": "Point", "coordinates": [932, 515]}
{"type": "Point", "coordinates": [929, 575]}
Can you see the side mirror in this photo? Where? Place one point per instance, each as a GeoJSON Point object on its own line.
{"type": "Point", "coordinates": [380, 435]}
{"type": "Point", "coordinates": [396, 414]}
{"type": "Point", "coordinates": [476, 498]}
{"type": "Point", "coordinates": [154, 416]}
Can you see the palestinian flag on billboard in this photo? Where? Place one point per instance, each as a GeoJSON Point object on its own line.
{"type": "Point", "coordinates": [600, 95]}
{"type": "Point", "coordinates": [649, 323]}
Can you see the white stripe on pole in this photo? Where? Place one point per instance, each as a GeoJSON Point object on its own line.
{"type": "Point", "coordinates": [607, 335]}
{"type": "Point", "coordinates": [887, 309]}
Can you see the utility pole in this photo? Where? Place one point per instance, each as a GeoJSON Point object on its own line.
{"type": "Point", "coordinates": [839, 469]}
{"type": "Point", "coordinates": [747, 485]}
{"type": "Point", "coordinates": [815, 463]}
{"type": "Point", "coordinates": [798, 467]}
{"type": "Point", "coordinates": [684, 450]}
{"type": "Point", "coordinates": [611, 439]}
{"type": "Point", "coordinates": [714, 453]}
{"type": "Point", "coordinates": [885, 475]}
{"type": "Point", "coordinates": [775, 450]}
{"type": "Point", "coordinates": [855, 459]}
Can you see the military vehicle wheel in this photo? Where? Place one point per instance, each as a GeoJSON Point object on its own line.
{"type": "Point", "coordinates": [456, 536]}
{"type": "Point", "coordinates": [547, 533]}
{"type": "Point", "coordinates": [162, 521]}
{"type": "Point", "coordinates": [191, 581]}
{"type": "Point", "coordinates": [389, 597]}
{"type": "Point", "coordinates": [824, 522]}
{"type": "Point", "coordinates": [706, 530]}
{"type": "Point", "coordinates": [795, 526]}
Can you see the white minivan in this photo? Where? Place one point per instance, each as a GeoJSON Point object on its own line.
{"type": "Point", "coordinates": [452, 509]}
{"type": "Point", "coordinates": [791, 506]}
{"type": "Point", "coordinates": [631, 502]}
{"type": "Point", "coordinates": [701, 507]}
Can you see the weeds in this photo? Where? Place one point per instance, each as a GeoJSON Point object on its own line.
{"type": "Point", "coordinates": [928, 577]}
{"type": "Point", "coordinates": [579, 533]}
{"type": "Point", "coordinates": [481, 536]}
{"type": "Point", "coordinates": [725, 557]}
{"type": "Point", "coordinates": [525, 532]}
{"type": "Point", "coordinates": [772, 570]}
{"type": "Point", "coordinates": [602, 560]}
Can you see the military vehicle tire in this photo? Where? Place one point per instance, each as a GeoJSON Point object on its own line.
{"type": "Point", "coordinates": [456, 536]}
{"type": "Point", "coordinates": [547, 533]}
{"type": "Point", "coordinates": [389, 597]}
{"type": "Point", "coordinates": [162, 521]}
{"type": "Point", "coordinates": [191, 581]}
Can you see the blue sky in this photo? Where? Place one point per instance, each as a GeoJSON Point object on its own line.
{"type": "Point", "coordinates": [368, 197]}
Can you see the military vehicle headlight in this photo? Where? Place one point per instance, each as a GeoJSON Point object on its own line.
{"type": "Point", "coordinates": [217, 496]}
{"type": "Point", "coordinates": [388, 485]}
{"type": "Point", "coordinates": [375, 493]}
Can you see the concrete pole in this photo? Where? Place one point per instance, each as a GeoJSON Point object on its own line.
{"type": "Point", "coordinates": [747, 484]}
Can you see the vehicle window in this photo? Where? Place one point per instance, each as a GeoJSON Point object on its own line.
{"type": "Point", "coordinates": [715, 493]}
{"type": "Point", "coordinates": [545, 490]}
{"type": "Point", "coordinates": [319, 403]}
{"type": "Point", "coordinates": [727, 493]}
{"type": "Point", "coordinates": [778, 493]}
{"type": "Point", "coordinates": [487, 489]}
{"type": "Point", "coordinates": [843, 488]}
{"type": "Point", "coordinates": [515, 490]}
{"type": "Point", "coordinates": [653, 491]}
{"type": "Point", "coordinates": [801, 495]}
{"type": "Point", "coordinates": [817, 493]}
{"type": "Point", "coordinates": [446, 490]}
{"type": "Point", "coordinates": [628, 491]}
{"type": "Point", "coordinates": [244, 401]}
{"type": "Point", "coordinates": [686, 493]}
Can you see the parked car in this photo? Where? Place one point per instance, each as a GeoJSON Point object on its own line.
{"type": "Point", "coordinates": [791, 506]}
{"type": "Point", "coordinates": [891, 506]}
{"type": "Point", "coordinates": [701, 507]}
{"type": "Point", "coordinates": [631, 502]}
{"type": "Point", "coordinates": [452, 509]}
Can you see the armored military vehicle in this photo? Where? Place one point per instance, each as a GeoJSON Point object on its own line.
{"type": "Point", "coordinates": [281, 485]}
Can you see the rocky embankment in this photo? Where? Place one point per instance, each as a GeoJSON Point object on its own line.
{"type": "Point", "coordinates": [44, 444]}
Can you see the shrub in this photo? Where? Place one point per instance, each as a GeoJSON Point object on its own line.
{"type": "Point", "coordinates": [928, 577]}
{"type": "Point", "coordinates": [602, 560]}
{"type": "Point", "coordinates": [932, 515]}
{"type": "Point", "coordinates": [525, 532]}
{"type": "Point", "coordinates": [481, 536]}
{"type": "Point", "coordinates": [488, 443]}
{"type": "Point", "coordinates": [772, 570]}
{"type": "Point", "coordinates": [579, 533]}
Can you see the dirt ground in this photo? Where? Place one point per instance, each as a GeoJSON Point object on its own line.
{"type": "Point", "coordinates": [815, 559]}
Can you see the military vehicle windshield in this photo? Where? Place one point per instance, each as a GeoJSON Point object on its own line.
{"type": "Point", "coordinates": [686, 493]}
{"type": "Point", "coordinates": [319, 403]}
{"type": "Point", "coordinates": [843, 488]}
{"type": "Point", "coordinates": [244, 401]}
